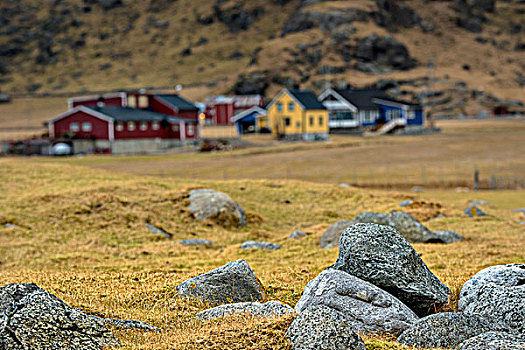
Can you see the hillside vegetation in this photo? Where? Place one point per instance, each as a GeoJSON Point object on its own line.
{"type": "Point", "coordinates": [220, 46]}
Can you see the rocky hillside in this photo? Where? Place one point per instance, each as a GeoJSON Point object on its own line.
{"type": "Point", "coordinates": [460, 56]}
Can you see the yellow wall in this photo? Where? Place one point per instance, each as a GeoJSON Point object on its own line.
{"type": "Point", "coordinates": [299, 119]}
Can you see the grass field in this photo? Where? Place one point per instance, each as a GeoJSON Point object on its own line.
{"type": "Point", "coordinates": [82, 236]}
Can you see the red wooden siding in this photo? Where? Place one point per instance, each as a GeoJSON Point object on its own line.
{"type": "Point", "coordinates": [99, 127]}
{"type": "Point", "coordinates": [115, 101]}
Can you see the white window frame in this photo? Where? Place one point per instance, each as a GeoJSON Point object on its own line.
{"type": "Point", "coordinates": [191, 130]}
{"type": "Point", "coordinates": [143, 126]}
{"type": "Point", "coordinates": [74, 127]}
{"type": "Point", "coordinates": [131, 126]}
{"type": "Point", "coordinates": [175, 127]}
{"type": "Point", "coordinates": [87, 127]}
{"type": "Point", "coordinates": [411, 114]}
{"type": "Point", "coordinates": [291, 106]}
{"type": "Point", "coordinates": [155, 125]}
{"type": "Point", "coordinates": [119, 126]}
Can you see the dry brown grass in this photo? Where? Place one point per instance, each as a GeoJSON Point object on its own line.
{"type": "Point", "coordinates": [82, 236]}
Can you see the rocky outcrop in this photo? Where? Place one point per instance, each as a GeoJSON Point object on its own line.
{"type": "Point", "coordinates": [448, 330]}
{"type": "Point", "coordinates": [331, 236]}
{"type": "Point", "coordinates": [494, 341]}
{"type": "Point", "coordinates": [380, 255]}
{"type": "Point", "coordinates": [365, 307]}
{"type": "Point", "coordinates": [32, 318]}
{"type": "Point", "coordinates": [393, 14]}
{"type": "Point", "coordinates": [254, 83]}
{"type": "Point", "coordinates": [269, 309]}
{"type": "Point", "coordinates": [231, 283]}
{"type": "Point", "coordinates": [321, 327]}
{"type": "Point", "coordinates": [384, 52]}
{"type": "Point", "coordinates": [216, 206]}
{"type": "Point", "coordinates": [326, 21]}
{"type": "Point", "coordinates": [472, 13]}
{"type": "Point", "coordinates": [236, 17]}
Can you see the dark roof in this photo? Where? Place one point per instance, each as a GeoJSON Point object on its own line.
{"type": "Point", "coordinates": [130, 114]}
{"type": "Point", "coordinates": [307, 99]}
{"type": "Point", "coordinates": [178, 102]}
{"type": "Point", "coordinates": [363, 98]}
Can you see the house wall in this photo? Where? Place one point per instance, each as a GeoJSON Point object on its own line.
{"type": "Point", "coordinates": [165, 131]}
{"type": "Point", "coordinates": [375, 114]}
{"type": "Point", "coordinates": [320, 121]}
{"type": "Point", "coordinates": [99, 127]}
{"type": "Point", "coordinates": [111, 101]}
{"type": "Point", "coordinates": [418, 120]}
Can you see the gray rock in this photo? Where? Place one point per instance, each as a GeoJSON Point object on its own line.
{"type": "Point", "coordinates": [297, 234]}
{"type": "Point", "coordinates": [520, 210]}
{"type": "Point", "coordinates": [216, 206]}
{"type": "Point", "coordinates": [494, 341]}
{"type": "Point", "coordinates": [473, 211]}
{"type": "Point", "coordinates": [321, 327]}
{"type": "Point", "coordinates": [478, 202]}
{"type": "Point", "coordinates": [499, 292]}
{"type": "Point", "coordinates": [448, 236]}
{"type": "Point", "coordinates": [128, 324]}
{"type": "Point", "coordinates": [269, 309]}
{"type": "Point", "coordinates": [448, 330]}
{"type": "Point", "coordinates": [32, 318]}
{"type": "Point", "coordinates": [344, 185]}
{"type": "Point", "coordinates": [158, 231]}
{"type": "Point", "coordinates": [366, 308]}
{"type": "Point", "coordinates": [406, 203]}
{"type": "Point", "coordinates": [380, 255]}
{"type": "Point", "coordinates": [10, 226]}
{"type": "Point", "coordinates": [195, 242]}
{"type": "Point", "coordinates": [404, 223]}
{"type": "Point", "coordinates": [260, 245]}
{"type": "Point", "coordinates": [331, 236]}
{"type": "Point", "coordinates": [231, 283]}
{"type": "Point", "coordinates": [418, 189]}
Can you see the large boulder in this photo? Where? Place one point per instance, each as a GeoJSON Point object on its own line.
{"type": "Point", "coordinates": [32, 318]}
{"type": "Point", "coordinates": [448, 330]}
{"type": "Point", "coordinates": [321, 327]}
{"type": "Point", "coordinates": [385, 51]}
{"type": "Point", "coordinates": [494, 341]}
{"type": "Point", "coordinates": [216, 206]}
{"type": "Point", "coordinates": [365, 307]}
{"type": "Point", "coordinates": [331, 236]}
{"type": "Point", "coordinates": [498, 292]}
{"type": "Point", "coordinates": [380, 255]}
{"type": "Point", "coordinates": [232, 283]}
{"type": "Point", "coordinates": [269, 309]}
{"type": "Point", "coordinates": [406, 224]}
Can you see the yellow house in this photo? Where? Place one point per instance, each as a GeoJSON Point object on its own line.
{"type": "Point", "coordinates": [298, 114]}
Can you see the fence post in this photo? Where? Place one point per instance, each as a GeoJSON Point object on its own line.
{"type": "Point", "coordinates": [492, 182]}
{"type": "Point", "coordinates": [476, 179]}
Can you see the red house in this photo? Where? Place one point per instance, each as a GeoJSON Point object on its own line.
{"type": "Point", "coordinates": [169, 104]}
{"type": "Point", "coordinates": [118, 99]}
{"type": "Point", "coordinates": [220, 109]}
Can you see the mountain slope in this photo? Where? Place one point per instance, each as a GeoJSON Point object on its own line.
{"type": "Point", "coordinates": [216, 46]}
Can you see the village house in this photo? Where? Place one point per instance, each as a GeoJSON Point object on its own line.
{"type": "Point", "coordinates": [253, 120]}
{"type": "Point", "coordinates": [219, 110]}
{"type": "Point", "coordinates": [298, 114]}
{"type": "Point", "coordinates": [351, 110]}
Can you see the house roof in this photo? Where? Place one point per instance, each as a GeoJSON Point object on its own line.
{"type": "Point", "coordinates": [178, 102]}
{"type": "Point", "coordinates": [129, 114]}
{"type": "Point", "coordinates": [369, 98]}
{"type": "Point", "coordinates": [307, 99]}
{"type": "Point", "coordinates": [247, 112]}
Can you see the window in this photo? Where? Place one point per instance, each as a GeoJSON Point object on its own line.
{"type": "Point", "coordinates": [321, 120]}
{"type": "Point", "coordinates": [311, 121]}
{"type": "Point", "coordinates": [175, 127]}
{"type": "Point", "coordinates": [119, 126]}
{"type": "Point", "coordinates": [388, 115]}
{"type": "Point", "coordinates": [143, 126]}
{"type": "Point", "coordinates": [86, 126]}
{"type": "Point", "coordinates": [132, 101]}
{"type": "Point", "coordinates": [143, 101]}
{"type": "Point", "coordinates": [191, 130]}
{"type": "Point", "coordinates": [74, 127]}
{"type": "Point", "coordinates": [287, 121]}
{"type": "Point", "coordinates": [279, 107]}
{"type": "Point", "coordinates": [131, 126]}
{"type": "Point", "coordinates": [297, 124]}
{"type": "Point", "coordinates": [367, 117]}
{"type": "Point", "coordinates": [411, 114]}
{"type": "Point", "coordinates": [155, 125]}
{"type": "Point", "coordinates": [291, 106]}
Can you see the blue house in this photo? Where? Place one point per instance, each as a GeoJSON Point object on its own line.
{"type": "Point", "coordinates": [351, 109]}
{"type": "Point", "coordinates": [252, 120]}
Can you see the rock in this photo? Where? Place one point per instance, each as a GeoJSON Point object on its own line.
{"type": "Point", "coordinates": [520, 210]}
{"type": "Point", "coordinates": [448, 236]}
{"type": "Point", "coordinates": [331, 236]}
{"type": "Point", "coordinates": [344, 185]}
{"type": "Point", "coordinates": [406, 203]}
{"type": "Point", "coordinates": [297, 234]}
{"type": "Point", "coordinates": [418, 189]}
{"type": "Point", "coordinates": [321, 327]}
{"type": "Point", "coordinates": [473, 211]}
{"type": "Point", "coordinates": [196, 242]}
{"type": "Point", "coordinates": [380, 255]}
{"type": "Point", "coordinates": [498, 292]}
{"type": "Point", "coordinates": [366, 308]}
{"type": "Point", "coordinates": [254, 83]}
{"type": "Point", "coordinates": [269, 309]}
{"type": "Point", "coordinates": [393, 15]}
{"type": "Point", "coordinates": [260, 245]}
{"type": "Point", "coordinates": [128, 324]}
{"type": "Point", "coordinates": [110, 4]}
{"type": "Point", "coordinates": [32, 318]}
{"type": "Point", "coordinates": [494, 341]}
{"type": "Point", "coordinates": [448, 330]}
{"type": "Point", "coordinates": [478, 202]}
{"type": "Point", "coordinates": [236, 17]}
{"type": "Point", "coordinates": [405, 224]}
{"type": "Point", "coordinates": [216, 206]}
{"type": "Point", "coordinates": [326, 21]}
{"type": "Point", "coordinates": [231, 283]}
{"type": "Point", "coordinates": [10, 226]}
{"type": "Point", "coordinates": [158, 231]}
{"type": "Point", "coordinates": [385, 51]}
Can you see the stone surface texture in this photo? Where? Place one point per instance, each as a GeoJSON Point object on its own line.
{"type": "Point", "coordinates": [331, 236]}
{"type": "Point", "coordinates": [448, 236]}
{"type": "Point", "coordinates": [448, 330]}
{"type": "Point", "coordinates": [216, 206]}
{"type": "Point", "coordinates": [297, 234]}
{"type": "Point", "coordinates": [380, 255]}
{"type": "Point", "coordinates": [269, 309]}
{"type": "Point", "coordinates": [494, 341]}
{"type": "Point", "coordinates": [32, 318]}
{"type": "Point", "coordinates": [195, 242]}
{"type": "Point", "coordinates": [473, 211]}
{"type": "Point", "coordinates": [231, 283]}
{"type": "Point", "coordinates": [321, 327]}
{"type": "Point", "coordinates": [366, 308]}
{"type": "Point", "coordinates": [260, 245]}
